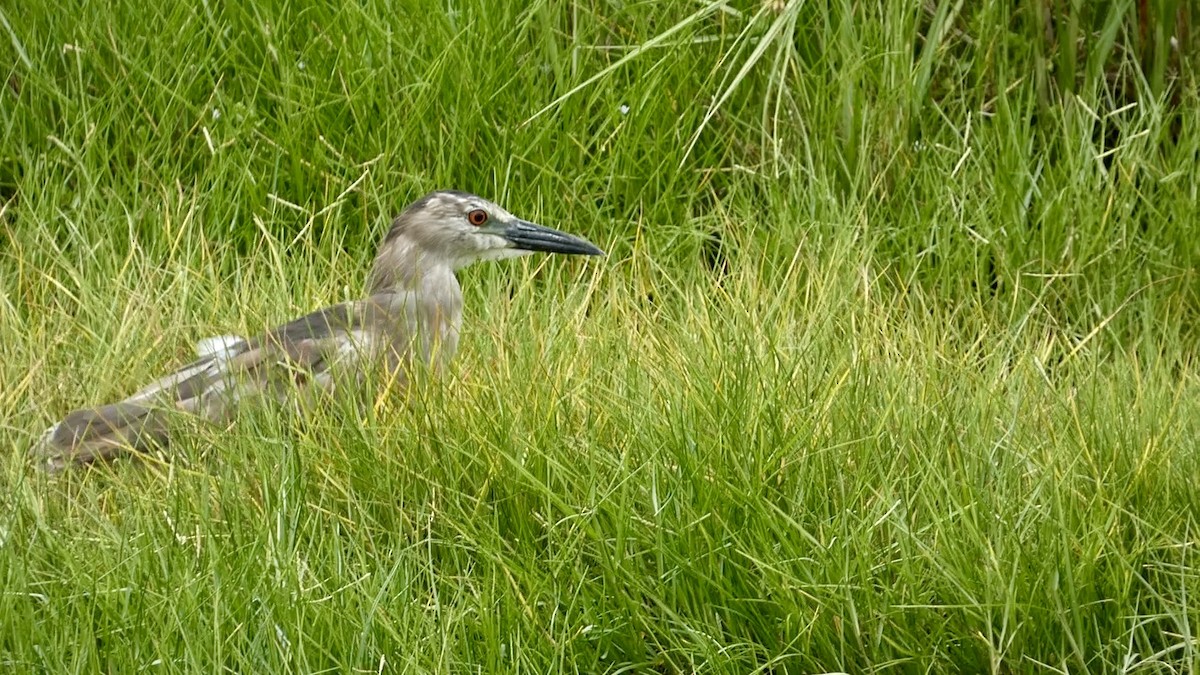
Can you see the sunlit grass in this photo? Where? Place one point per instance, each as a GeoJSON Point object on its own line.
{"type": "Point", "coordinates": [892, 368]}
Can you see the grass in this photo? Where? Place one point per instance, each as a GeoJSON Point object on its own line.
{"type": "Point", "coordinates": [891, 365]}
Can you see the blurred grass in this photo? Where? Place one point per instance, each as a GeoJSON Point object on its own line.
{"type": "Point", "coordinates": [892, 363]}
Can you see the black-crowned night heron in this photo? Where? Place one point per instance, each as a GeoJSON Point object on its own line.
{"type": "Point", "coordinates": [411, 316]}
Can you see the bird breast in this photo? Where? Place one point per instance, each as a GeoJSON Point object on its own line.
{"type": "Point", "coordinates": [422, 323]}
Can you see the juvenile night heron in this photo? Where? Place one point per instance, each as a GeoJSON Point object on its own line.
{"type": "Point", "coordinates": [411, 316]}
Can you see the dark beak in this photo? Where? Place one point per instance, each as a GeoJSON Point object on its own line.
{"type": "Point", "coordinates": [529, 237]}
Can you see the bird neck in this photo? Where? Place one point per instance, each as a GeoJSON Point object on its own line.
{"type": "Point", "coordinates": [417, 286]}
{"type": "Point", "coordinates": [404, 265]}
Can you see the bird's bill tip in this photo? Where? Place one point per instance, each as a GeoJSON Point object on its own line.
{"type": "Point", "coordinates": [528, 236]}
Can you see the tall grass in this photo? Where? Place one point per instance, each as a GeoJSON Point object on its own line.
{"type": "Point", "coordinates": [891, 364]}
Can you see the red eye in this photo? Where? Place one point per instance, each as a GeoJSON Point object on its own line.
{"type": "Point", "coordinates": [477, 217]}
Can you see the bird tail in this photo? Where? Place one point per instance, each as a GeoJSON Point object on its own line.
{"type": "Point", "coordinates": [140, 422]}
{"type": "Point", "coordinates": [102, 433]}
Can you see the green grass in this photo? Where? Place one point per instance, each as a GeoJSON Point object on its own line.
{"type": "Point", "coordinates": [892, 363]}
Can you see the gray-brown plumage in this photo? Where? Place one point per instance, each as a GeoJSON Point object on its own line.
{"type": "Point", "coordinates": [412, 314]}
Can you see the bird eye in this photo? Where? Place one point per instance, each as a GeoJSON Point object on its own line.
{"type": "Point", "coordinates": [477, 217]}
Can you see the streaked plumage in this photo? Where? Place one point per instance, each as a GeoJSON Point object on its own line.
{"type": "Point", "coordinates": [412, 314]}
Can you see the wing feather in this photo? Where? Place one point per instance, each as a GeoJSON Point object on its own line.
{"type": "Point", "coordinates": [311, 353]}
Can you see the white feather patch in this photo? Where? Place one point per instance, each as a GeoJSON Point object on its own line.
{"type": "Point", "coordinates": [218, 346]}
{"type": "Point", "coordinates": [356, 344]}
{"type": "Point", "coordinates": [44, 440]}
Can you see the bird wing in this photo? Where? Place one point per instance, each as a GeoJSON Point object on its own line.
{"type": "Point", "coordinates": [306, 354]}
{"type": "Point", "coordinates": [302, 356]}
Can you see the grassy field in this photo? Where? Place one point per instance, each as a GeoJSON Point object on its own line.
{"type": "Point", "coordinates": [892, 363]}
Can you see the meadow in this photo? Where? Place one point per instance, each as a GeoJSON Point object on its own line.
{"type": "Point", "coordinates": [891, 364]}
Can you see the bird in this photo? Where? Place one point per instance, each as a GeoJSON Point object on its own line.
{"type": "Point", "coordinates": [410, 318]}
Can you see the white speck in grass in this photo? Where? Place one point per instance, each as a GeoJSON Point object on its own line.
{"type": "Point", "coordinates": [624, 109]}
{"type": "Point", "coordinates": [283, 640]}
{"type": "Point", "coordinates": [300, 65]}
{"type": "Point", "coordinates": [216, 114]}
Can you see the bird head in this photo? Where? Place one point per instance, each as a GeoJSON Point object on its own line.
{"type": "Point", "coordinates": [462, 228]}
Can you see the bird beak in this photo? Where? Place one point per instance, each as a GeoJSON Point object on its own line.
{"type": "Point", "coordinates": [527, 236]}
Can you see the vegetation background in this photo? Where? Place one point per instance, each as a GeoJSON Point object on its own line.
{"type": "Point", "coordinates": [892, 364]}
